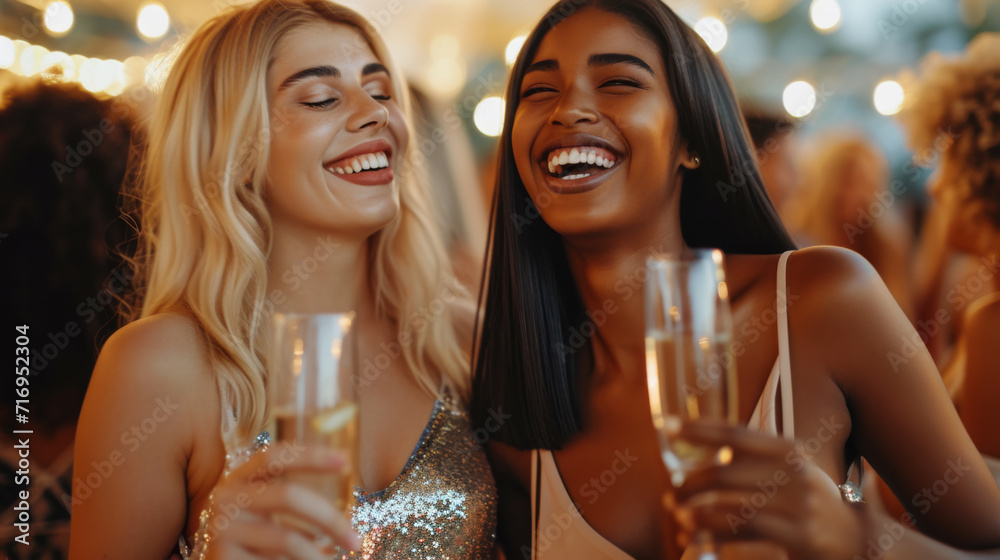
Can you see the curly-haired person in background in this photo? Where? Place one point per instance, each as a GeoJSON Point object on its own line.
{"type": "Point", "coordinates": [63, 156]}
{"type": "Point", "coordinates": [960, 97]}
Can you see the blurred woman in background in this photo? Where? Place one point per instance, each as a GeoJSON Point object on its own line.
{"type": "Point", "coordinates": [846, 201]}
{"type": "Point", "coordinates": [961, 97]}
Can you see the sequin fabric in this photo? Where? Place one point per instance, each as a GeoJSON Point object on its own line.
{"type": "Point", "coordinates": [441, 506]}
{"type": "Point", "coordinates": [196, 550]}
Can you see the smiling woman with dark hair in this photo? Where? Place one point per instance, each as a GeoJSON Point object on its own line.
{"type": "Point", "coordinates": [622, 138]}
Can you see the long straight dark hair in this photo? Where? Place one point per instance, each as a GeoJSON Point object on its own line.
{"type": "Point", "coordinates": [531, 299]}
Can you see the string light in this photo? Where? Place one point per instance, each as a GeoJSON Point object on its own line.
{"type": "Point", "coordinates": [713, 31]}
{"type": "Point", "coordinates": [153, 20]}
{"type": "Point", "coordinates": [514, 48]}
{"type": "Point", "coordinates": [888, 97]}
{"type": "Point", "coordinates": [799, 98]}
{"type": "Point", "coordinates": [58, 17]}
{"type": "Point", "coordinates": [488, 116]}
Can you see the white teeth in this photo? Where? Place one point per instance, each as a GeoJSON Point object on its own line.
{"type": "Point", "coordinates": [564, 158]}
{"type": "Point", "coordinates": [552, 167]}
{"type": "Point", "coordinates": [360, 163]}
{"type": "Point", "coordinates": [574, 156]}
{"type": "Point", "coordinates": [578, 176]}
{"type": "Point", "coordinates": [599, 160]}
{"type": "Point", "coordinates": [609, 163]}
{"type": "Point", "coordinates": [591, 158]}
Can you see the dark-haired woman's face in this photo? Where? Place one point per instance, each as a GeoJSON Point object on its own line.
{"type": "Point", "coordinates": [595, 133]}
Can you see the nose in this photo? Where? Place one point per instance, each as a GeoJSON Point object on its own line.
{"type": "Point", "coordinates": [574, 107]}
{"type": "Point", "coordinates": [366, 112]}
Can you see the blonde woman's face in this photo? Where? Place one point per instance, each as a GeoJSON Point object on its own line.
{"type": "Point", "coordinates": [338, 136]}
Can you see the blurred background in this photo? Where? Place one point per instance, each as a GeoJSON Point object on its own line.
{"type": "Point", "coordinates": [818, 62]}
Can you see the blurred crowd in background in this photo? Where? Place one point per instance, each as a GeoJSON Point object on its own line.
{"type": "Point", "coordinates": [876, 122]}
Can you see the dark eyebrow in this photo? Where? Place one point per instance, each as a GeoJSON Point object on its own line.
{"type": "Point", "coordinates": [617, 58]}
{"type": "Point", "coordinates": [374, 68]}
{"type": "Point", "coordinates": [547, 65]}
{"type": "Point", "coordinates": [314, 72]}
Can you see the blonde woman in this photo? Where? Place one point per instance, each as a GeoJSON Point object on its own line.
{"type": "Point", "coordinates": [277, 179]}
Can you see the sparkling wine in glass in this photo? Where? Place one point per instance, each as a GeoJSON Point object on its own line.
{"type": "Point", "coordinates": [311, 399]}
{"type": "Point", "coordinates": [690, 369]}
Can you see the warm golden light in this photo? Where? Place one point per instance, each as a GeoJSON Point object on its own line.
{"type": "Point", "coordinates": [514, 48]}
{"type": "Point", "coordinates": [153, 21]}
{"type": "Point", "coordinates": [58, 17]}
{"type": "Point", "coordinates": [713, 31]}
{"type": "Point", "coordinates": [799, 99]}
{"type": "Point", "coordinates": [489, 116]}
{"type": "Point", "coordinates": [888, 97]}
{"type": "Point", "coordinates": [825, 15]}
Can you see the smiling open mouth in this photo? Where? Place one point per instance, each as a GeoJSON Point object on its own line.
{"type": "Point", "coordinates": [360, 163]}
{"type": "Point", "coordinates": [579, 162]}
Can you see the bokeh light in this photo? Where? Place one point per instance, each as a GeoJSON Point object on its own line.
{"type": "Point", "coordinates": [7, 52]}
{"type": "Point", "coordinates": [514, 48]}
{"type": "Point", "coordinates": [488, 116]}
{"type": "Point", "coordinates": [58, 65]}
{"type": "Point", "coordinates": [713, 31]}
{"type": "Point", "coordinates": [799, 99]}
{"type": "Point", "coordinates": [153, 21]}
{"type": "Point", "coordinates": [825, 15]}
{"type": "Point", "coordinates": [58, 17]}
{"type": "Point", "coordinates": [888, 97]}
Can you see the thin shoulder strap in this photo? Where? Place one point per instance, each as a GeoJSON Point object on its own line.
{"type": "Point", "coordinates": [535, 459]}
{"type": "Point", "coordinates": [784, 355]}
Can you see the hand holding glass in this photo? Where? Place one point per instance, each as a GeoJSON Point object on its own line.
{"type": "Point", "coordinates": [310, 397]}
{"type": "Point", "coordinates": [690, 371]}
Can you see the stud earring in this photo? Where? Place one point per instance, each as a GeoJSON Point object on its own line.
{"type": "Point", "coordinates": [697, 160]}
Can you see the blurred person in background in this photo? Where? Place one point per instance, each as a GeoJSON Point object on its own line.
{"type": "Point", "coordinates": [774, 140]}
{"type": "Point", "coordinates": [63, 157]}
{"type": "Point", "coordinates": [846, 201]}
{"type": "Point", "coordinates": [961, 97]}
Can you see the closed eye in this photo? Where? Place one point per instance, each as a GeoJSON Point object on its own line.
{"type": "Point", "coordinates": [382, 97]}
{"type": "Point", "coordinates": [537, 89]}
{"type": "Point", "coordinates": [623, 82]}
{"type": "Point", "coordinates": [320, 104]}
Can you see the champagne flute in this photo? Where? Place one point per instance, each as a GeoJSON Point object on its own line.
{"type": "Point", "coordinates": [311, 400]}
{"type": "Point", "coordinates": [690, 371]}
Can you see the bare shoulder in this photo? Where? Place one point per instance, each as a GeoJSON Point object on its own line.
{"type": "Point", "coordinates": [163, 350]}
{"type": "Point", "coordinates": [156, 361]}
{"type": "Point", "coordinates": [151, 395]}
{"type": "Point", "coordinates": [983, 315]}
{"type": "Point", "coordinates": [835, 281]}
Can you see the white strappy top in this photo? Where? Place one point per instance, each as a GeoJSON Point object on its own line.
{"type": "Point", "coordinates": [560, 531]}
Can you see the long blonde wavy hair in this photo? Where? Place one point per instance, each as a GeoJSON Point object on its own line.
{"type": "Point", "coordinates": [205, 235]}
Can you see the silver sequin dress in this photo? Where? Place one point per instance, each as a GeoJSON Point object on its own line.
{"type": "Point", "coordinates": [443, 505]}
